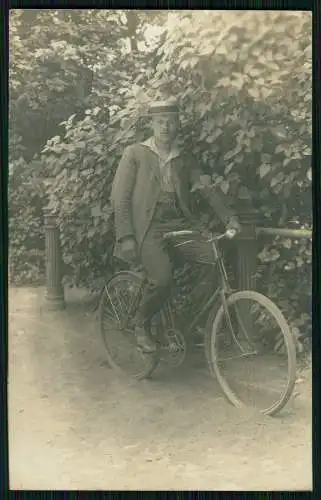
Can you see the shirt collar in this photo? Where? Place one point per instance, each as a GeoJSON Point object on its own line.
{"type": "Point", "coordinates": [174, 152]}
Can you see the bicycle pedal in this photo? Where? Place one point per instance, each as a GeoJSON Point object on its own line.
{"type": "Point", "coordinates": [146, 353]}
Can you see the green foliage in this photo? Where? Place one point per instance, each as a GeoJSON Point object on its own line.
{"type": "Point", "coordinates": [26, 232]}
{"type": "Point", "coordinates": [243, 81]}
{"type": "Point", "coordinates": [248, 98]}
{"type": "Point", "coordinates": [70, 72]}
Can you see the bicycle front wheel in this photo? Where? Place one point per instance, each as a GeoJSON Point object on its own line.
{"type": "Point", "coordinates": [119, 301]}
{"type": "Point", "coordinates": [242, 354]}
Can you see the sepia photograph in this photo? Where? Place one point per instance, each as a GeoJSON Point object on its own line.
{"type": "Point", "coordinates": [160, 250]}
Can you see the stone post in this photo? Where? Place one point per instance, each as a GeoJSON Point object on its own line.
{"type": "Point", "coordinates": [247, 248]}
{"type": "Point", "coordinates": [247, 257]}
{"type": "Point", "coordinates": [54, 295]}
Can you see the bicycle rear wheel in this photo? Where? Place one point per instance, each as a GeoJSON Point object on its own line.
{"type": "Point", "coordinates": [118, 304]}
{"type": "Point", "coordinates": [242, 357]}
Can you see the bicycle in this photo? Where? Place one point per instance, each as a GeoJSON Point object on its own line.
{"type": "Point", "coordinates": [233, 329]}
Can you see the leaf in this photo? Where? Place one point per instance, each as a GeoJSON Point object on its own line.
{"type": "Point", "coordinates": [228, 168]}
{"type": "Point", "coordinates": [96, 211]}
{"type": "Point", "coordinates": [266, 157]}
{"type": "Point", "coordinates": [70, 119]}
{"type": "Point", "coordinates": [197, 186]}
{"type": "Point", "coordinates": [230, 154]}
{"type": "Point", "coordinates": [225, 186]}
{"type": "Point", "coordinates": [214, 135]}
{"type": "Point", "coordinates": [238, 83]}
{"type": "Point", "coordinates": [254, 72]}
{"type": "Point", "coordinates": [264, 170]}
{"type": "Point", "coordinates": [205, 180]}
{"type": "Point", "coordinates": [223, 82]}
{"type": "Point", "coordinates": [184, 64]}
{"type": "Point", "coordinates": [218, 132]}
{"type": "Point", "coordinates": [86, 172]}
{"type": "Point", "coordinates": [254, 93]}
{"type": "Point", "coordinates": [280, 131]}
{"type": "Point", "coordinates": [265, 92]}
{"type": "Point", "coordinates": [269, 255]}
{"type": "Point", "coordinates": [193, 62]}
{"type": "Point", "coordinates": [279, 149]}
{"type": "Point", "coordinates": [307, 151]}
{"type": "Point", "coordinates": [287, 243]}
{"type": "Point", "coordinates": [277, 179]}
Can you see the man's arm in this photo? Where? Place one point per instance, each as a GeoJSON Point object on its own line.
{"type": "Point", "coordinates": [226, 215]}
{"type": "Point", "coordinates": [121, 195]}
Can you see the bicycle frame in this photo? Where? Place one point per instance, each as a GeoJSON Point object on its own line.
{"type": "Point", "coordinates": [222, 289]}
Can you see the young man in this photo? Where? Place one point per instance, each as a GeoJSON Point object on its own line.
{"type": "Point", "coordinates": [151, 195]}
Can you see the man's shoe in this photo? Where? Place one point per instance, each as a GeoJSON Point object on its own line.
{"type": "Point", "coordinates": [144, 341]}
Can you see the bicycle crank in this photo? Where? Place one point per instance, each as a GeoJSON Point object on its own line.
{"type": "Point", "coordinates": [174, 348]}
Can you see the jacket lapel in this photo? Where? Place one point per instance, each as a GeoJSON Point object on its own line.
{"type": "Point", "coordinates": [150, 149]}
{"type": "Point", "coordinates": [175, 157]}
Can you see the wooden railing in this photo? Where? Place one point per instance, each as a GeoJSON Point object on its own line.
{"type": "Point", "coordinates": [247, 246]}
{"type": "Point", "coordinates": [286, 233]}
{"type": "Point", "coordinates": [246, 251]}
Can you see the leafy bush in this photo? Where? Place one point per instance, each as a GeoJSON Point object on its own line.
{"type": "Point", "coordinates": [243, 81]}
{"type": "Point", "coordinates": [26, 232]}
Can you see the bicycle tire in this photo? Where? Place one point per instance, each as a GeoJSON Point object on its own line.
{"type": "Point", "coordinates": [288, 341]}
{"type": "Point", "coordinates": [150, 360]}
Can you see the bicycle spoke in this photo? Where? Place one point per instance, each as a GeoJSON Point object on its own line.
{"type": "Point", "coordinates": [241, 323]}
{"type": "Point", "coordinates": [243, 355]}
{"type": "Point", "coordinates": [122, 312]}
{"type": "Point", "coordinates": [133, 303]}
{"type": "Point", "coordinates": [112, 304]}
{"type": "Point", "coordinates": [107, 315]}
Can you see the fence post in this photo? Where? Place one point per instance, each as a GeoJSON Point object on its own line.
{"type": "Point", "coordinates": [54, 295]}
{"type": "Point", "coordinates": [246, 261]}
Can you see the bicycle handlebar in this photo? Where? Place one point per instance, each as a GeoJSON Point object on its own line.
{"type": "Point", "coordinates": [230, 233]}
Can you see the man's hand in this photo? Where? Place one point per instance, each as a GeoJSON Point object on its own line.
{"type": "Point", "coordinates": [129, 249]}
{"type": "Point", "coordinates": [204, 182]}
{"type": "Point", "coordinates": [233, 225]}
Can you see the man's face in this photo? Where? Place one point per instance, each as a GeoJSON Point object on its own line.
{"type": "Point", "coordinates": [165, 127]}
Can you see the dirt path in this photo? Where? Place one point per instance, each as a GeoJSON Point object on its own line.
{"type": "Point", "coordinates": [74, 425]}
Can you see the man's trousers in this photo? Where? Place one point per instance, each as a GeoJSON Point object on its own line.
{"type": "Point", "coordinates": [159, 262]}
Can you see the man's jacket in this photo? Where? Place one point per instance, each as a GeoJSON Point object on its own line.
{"type": "Point", "coordinates": [137, 186]}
